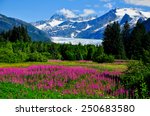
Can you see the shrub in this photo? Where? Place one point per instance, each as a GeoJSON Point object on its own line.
{"type": "Point", "coordinates": [70, 55]}
{"type": "Point", "coordinates": [137, 78]}
{"type": "Point", "coordinates": [47, 54]}
{"type": "Point", "coordinates": [104, 58]}
{"type": "Point", "coordinates": [7, 56]}
{"type": "Point", "coordinates": [57, 56]}
{"type": "Point", "coordinates": [22, 56]}
{"type": "Point", "coordinates": [37, 57]}
{"type": "Point", "coordinates": [146, 57]}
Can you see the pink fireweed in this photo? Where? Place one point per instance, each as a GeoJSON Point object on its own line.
{"type": "Point", "coordinates": [67, 80]}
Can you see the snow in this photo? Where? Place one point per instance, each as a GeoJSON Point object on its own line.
{"type": "Point", "coordinates": [86, 20]}
{"type": "Point", "coordinates": [131, 12]}
{"type": "Point", "coordinates": [103, 27]}
{"type": "Point", "coordinates": [133, 21]}
{"type": "Point", "coordinates": [97, 29]}
{"type": "Point", "coordinates": [88, 26]}
{"type": "Point", "coordinates": [72, 35]}
{"type": "Point", "coordinates": [76, 41]}
{"type": "Point", "coordinates": [43, 27]}
{"type": "Point", "coordinates": [54, 22]}
{"type": "Point", "coordinates": [49, 24]}
{"type": "Point", "coordinates": [146, 14]}
{"type": "Point", "coordinates": [135, 14]}
{"type": "Point", "coordinates": [78, 31]}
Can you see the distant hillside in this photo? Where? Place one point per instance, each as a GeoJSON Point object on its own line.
{"type": "Point", "coordinates": [7, 23]}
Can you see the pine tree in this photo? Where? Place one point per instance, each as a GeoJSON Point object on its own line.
{"type": "Point", "coordinates": [24, 34]}
{"type": "Point", "coordinates": [90, 53]}
{"type": "Point", "coordinates": [107, 42]}
{"type": "Point", "coordinates": [135, 43]}
{"type": "Point", "coordinates": [113, 43]}
{"type": "Point", "coordinates": [16, 34]}
{"type": "Point", "coordinates": [1, 38]}
{"type": "Point", "coordinates": [146, 42]}
{"type": "Point", "coordinates": [126, 36]}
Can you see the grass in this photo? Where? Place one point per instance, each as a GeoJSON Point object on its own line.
{"type": "Point", "coordinates": [17, 91]}
{"type": "Point", "coordinates": [101, 67]}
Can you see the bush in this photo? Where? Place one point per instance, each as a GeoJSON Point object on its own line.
{"type": "Point", "coordinates": [146, 57]}
{"type": "Point", "coordinates": [70, 55]}
{"type": "Point", "coordinates": [37, 57]}
{"type": "Point", "coordinates": [137, 79]}
{"type": "Point", "coordinates": [57, 56]}
{"type": "Point", "coordinates": [8, 56]}
{"type": "Point", "coordinates": [104, 58]}
{"type": "Point", "coordinates": [47, 55]}
{"type": "Point", "coordinates": [22, 56]}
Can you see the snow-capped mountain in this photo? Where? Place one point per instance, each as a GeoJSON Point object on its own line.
{"type": "Point", "coordinates": [64, 15]}
{"type": "Point", "coordinates": [75, 26]}
{"type": "Point", "coordinates": [55, 20]}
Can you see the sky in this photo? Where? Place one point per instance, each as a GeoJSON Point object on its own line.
{"type": "Point", "coordinates": [35, 10]}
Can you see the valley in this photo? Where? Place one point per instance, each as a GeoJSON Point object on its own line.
{"type": "Point", "coordinates": [76, 56]}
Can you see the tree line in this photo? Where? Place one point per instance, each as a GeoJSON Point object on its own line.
{"type": "Point", "coordinates": [127, 43]}
{"type": "Point", "coordinates": [16, 46]}
{"type": "Point", "coordinates": [39, 51]}
{"type": "Point", "coordinates": [16, 34]}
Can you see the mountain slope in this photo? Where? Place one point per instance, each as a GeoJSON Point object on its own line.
{"type": "Point", "coordinates": [79, 27]}
{"type": "Point", "coordinates": [147, 25]}
{"type": "Point", "coordinates": [7, 23]}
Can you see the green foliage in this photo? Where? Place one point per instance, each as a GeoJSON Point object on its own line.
{"type": "Point", "coordinates": [9, 57]}
{"type": "Point", "coordinates": [37, 57]}
{"type": "Point", "coordinates": [146, 41]}
{"type": "Point", "coordinates": [70, 55]}
{"type": "Point", "coordinates": [131, 44]}
{"type": "Point", "coordinates": [22, 56]}
{"type": "Point", "coordinates": [146, 57]}
{"type": "Point", "coordinates": [91, 51]}
{"type": "Point", "coordinates": [16, 34]}
{"type": "Point", "coordinates": [6, 55]}
{"type": "Point", "coordinates": [17, 91]}
{"type": "Point", "coordinates": [54, 50]}
{"type": "Point", "coordinates": [135, 43]}
{"type": "Point", "coordinates": [1, 38]}
{"type": "Point", "coordinates": [137, 78]}
{"type": "Point", "coordinates": [126, 36]}
{"type": "Point", "coordinates": [47, 55]}
{"type": "Point", "coordinates": [104, 58]}
{"type": "Point", "coordinates": [39, 52]}
{"type": "Point", "coordinates": [113, 43]}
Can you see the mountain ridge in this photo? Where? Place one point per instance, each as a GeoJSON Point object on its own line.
{"type": "Point", "coordinates": [7, 23]}
{"type": "Point", "coordinates": [92, 28]}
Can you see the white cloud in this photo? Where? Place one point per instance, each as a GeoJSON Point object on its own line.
{"type": "Point", "coordinates": [87, 12]}
{"type": "Point", "coordinates": [68, 13]}
{"type": "Point", "coordinates": [108, 5]}
{"type": "Point", "coordinates": [138, 2]}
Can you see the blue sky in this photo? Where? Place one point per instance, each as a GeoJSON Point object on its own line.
{"type": "Point", "coordinates": [34, 10]}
